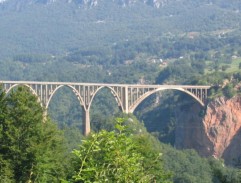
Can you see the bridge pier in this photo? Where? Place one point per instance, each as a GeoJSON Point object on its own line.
{"type": "Point", "coordinates": [86, 122]}
{"type": "Point", "coordinates": [125, 101]}
{"type": "Point", "coordinates": [45, 115]}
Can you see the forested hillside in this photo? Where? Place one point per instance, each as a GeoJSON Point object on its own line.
{"type": "Point", "coordinates": [176, 43]}
{"type": "Point", "coordinates": [105, 41]}
{"type": "Point", "coordinates": [29, 27]}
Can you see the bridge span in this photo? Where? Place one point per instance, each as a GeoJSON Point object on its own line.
{"type": "Point", "coordinates": [128, 96]}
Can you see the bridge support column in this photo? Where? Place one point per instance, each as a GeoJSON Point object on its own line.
{"type": "Point", "coordinates": [86, 122]}
{"type": "Point", "coordinates": [45, 115]}
{"type": "Point", "coordinates": [126, 100]}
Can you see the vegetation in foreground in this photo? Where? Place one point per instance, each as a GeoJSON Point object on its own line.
{"type": "Point", "coordinates": [116, 156]}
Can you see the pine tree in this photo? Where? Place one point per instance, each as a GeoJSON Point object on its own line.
{"type": "Point", "coordinates": [32, 146]}
{"type": "Point", "coordinates": [6, 173]}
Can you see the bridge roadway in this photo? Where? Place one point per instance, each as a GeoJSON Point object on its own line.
{"type": "Point", "coordinates": [128, 96]}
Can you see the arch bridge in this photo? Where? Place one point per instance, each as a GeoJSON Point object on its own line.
{"type": "Point", "coordinates": [128, 96]}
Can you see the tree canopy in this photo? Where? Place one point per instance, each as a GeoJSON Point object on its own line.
{"type": "Point", "coordinates": [116, 156]}
{"type": "Point", "coordinates": [31, 149]}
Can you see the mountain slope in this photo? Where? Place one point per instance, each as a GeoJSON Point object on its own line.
{"type": "Point", "coordinates": [58, 26]}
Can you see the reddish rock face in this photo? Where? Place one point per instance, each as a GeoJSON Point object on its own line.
{"type": "Point", "coordinates": [216, 134]}
{"type": "Point", "coordinates": [222, 124]}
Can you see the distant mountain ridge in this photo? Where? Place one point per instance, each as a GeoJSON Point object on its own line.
{"type": "Point", "coordinates": [89, 3]}
{"type": "Point", "coordinates": [234, 4]}
{"type": "Point", "coordinates": [124, 3]}
{"type": "Point", "coordinates": [59, 26]}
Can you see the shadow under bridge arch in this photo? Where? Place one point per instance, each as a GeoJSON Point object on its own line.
{"type": "Point", "coordinates": [65, 105]}
{"type": "Point", "coordinates": [114, 91]}
{"type": "Point", "coordinates": [74, 90]}
{"type": "Point", "coordinates": [133, 106]}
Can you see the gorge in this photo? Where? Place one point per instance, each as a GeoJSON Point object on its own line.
{"type": "Point", "coordinates": [216, 133]}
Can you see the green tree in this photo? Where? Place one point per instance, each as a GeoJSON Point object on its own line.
{"type": "Point", "coordinates": [6, 173]}
{"type": "Point", "coordinates": [111, 157]}
{"type": "Point", "coordinates": [229, 90]}
{"type": "Point", "coordinates": [221, 173]}
{"type": "Point", "coordinates": [31, 149]}
{"type": "Point", "coordinates": [152, 163]}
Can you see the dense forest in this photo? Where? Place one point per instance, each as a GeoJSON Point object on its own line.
{"type": "Point", "coordinates": [181, 42]}
{"type": "Point", "coordinates": [31, 27]}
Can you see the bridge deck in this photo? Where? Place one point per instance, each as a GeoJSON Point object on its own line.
{"type": "Point", "coordinates": [108, 84]}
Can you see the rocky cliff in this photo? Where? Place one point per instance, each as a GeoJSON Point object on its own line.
{"type": "Point", "coordinates": [215, 131]}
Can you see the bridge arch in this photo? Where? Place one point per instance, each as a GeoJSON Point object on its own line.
{"type": "Point", "coordinates": [146, 95]}
{"type": "Point", "coordinates": [29, 87]}
{"type": "Point", "coordinates": [73, 90]}
{"type": "Point", "coordinates": [113, 92]}
{"type": "Point", "coordinates": [16, 85]}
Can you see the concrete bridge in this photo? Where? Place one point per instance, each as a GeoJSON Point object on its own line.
{"type": "Point", "coordinates": [128, 96]}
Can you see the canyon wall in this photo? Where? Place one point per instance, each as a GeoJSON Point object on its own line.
{"type": "Point", "coordinates": [214, 131]}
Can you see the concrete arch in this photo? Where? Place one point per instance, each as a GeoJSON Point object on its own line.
{"type": "Point", "coordinates": [113, 92]}
{"type": "Point", "coordinates": [30, 88]}
{"type": "Point", "coordinates": [143, 97]}
{"type": "Point", "coordinates": [16, 85]}
{"type": "Point", "coordinates": [73, 90]}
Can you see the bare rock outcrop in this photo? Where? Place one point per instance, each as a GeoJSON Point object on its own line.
{"type": "Point", "coordinates": [213, 132]}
